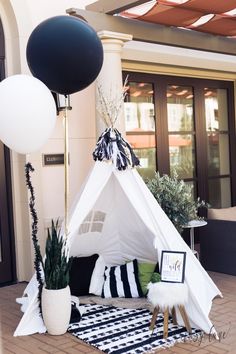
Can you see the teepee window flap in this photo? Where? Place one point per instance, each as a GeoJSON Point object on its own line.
{"type": "Point", "coordinates": [93, 222]}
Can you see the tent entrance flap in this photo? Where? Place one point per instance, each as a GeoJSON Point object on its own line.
{"type": "Point", "coordinates": [113, 229]}
{"type": "Point", "coordinates": [136, 239]}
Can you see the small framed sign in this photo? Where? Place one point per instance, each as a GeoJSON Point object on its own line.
{"type": "Point", "coordinates": [53, 159]}
{"type": "Point", "coordinates": [173, 266]}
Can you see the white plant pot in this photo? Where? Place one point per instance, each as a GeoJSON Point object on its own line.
{"type": "Point", "coordinates": [56, 310]}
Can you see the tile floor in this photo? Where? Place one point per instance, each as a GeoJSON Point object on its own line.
{"type": "Point", "coordinates": [223, 315]}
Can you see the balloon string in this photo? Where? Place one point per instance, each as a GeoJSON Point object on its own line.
{"type": "Point", "coordinates": [66, 163]}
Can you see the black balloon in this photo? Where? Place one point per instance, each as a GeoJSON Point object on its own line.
{"type": "Point", "coordinates": [65, 53]}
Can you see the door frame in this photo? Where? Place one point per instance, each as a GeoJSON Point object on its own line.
{"type": "Point", "coordinates": [8, 224]}
{"type": "Point", "coordinates": [6, 217]}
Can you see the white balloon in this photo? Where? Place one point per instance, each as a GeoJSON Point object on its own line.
{"type": "Point", "coordinates": [27, 113]}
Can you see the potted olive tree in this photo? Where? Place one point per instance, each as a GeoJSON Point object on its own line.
{"type": "Point", "coordinates": [176, 199]}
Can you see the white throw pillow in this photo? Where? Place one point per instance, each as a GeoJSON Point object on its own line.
{"type": "Point", "coordinates": [97, 278]}
{"type": "Point", "coordinates": [228, 214]}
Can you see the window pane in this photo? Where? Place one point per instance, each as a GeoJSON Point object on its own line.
{"type": "Point", "coordinates": [218, 154]}
{"type": "Point", "coordinates": [144, 146]}
{"type": "Point", "coordinates": [182, 158]}
{"type": "Point", "coordinates": [180, 108]}
{"type": "Point", "coordinates": [219, 193]}
{"type": "Point", "coordinates": [140, 125]}
{"type": "Point", "coordinates": [147, 161]}
{"type": "Point", "coordinates": [141, 141]}
{"type": "Point", "coordinates": [139, 107]}
{"type": "Point", "coordinates": [216, 109]}
{"type": "Point", "coordinates": [193, 186]}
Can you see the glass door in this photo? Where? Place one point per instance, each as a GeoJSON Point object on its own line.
{"type": "Point", "coordinates": [185, 125]}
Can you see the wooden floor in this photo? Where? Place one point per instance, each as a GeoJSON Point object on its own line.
{"type": "Point", "coordinates": [223, 315]}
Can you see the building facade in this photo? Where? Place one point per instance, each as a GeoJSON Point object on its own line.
{"type": "Point", "coordinates": [179, 114]}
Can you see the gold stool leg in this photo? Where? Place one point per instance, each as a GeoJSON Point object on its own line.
{"type": "Point", "coordinates": [166, 317]}
{"type": "Point", "coordinates": [154, 317]}
{"type": "Point", "coordinates": [173, 314]}
{"type": "Point", "coordinates": [185, 318]}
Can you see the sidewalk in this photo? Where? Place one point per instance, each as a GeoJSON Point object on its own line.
{"type": "Point", "coordinates": [223, 315]}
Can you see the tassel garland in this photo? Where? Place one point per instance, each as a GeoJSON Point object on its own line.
{"type": "Point", "coordinates": [111, 146]}
{"type": "Point", "coordinates": [38, 261]}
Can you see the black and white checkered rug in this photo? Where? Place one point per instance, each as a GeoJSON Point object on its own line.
{"type": "Point", "coordinates": [120, 330]}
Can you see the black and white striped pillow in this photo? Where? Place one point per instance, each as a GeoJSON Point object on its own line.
{"type": "Point", "coordinates": [122, 281]}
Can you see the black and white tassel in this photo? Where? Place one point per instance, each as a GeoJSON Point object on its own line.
{"type": "Point", "coordinates": [111, 146]}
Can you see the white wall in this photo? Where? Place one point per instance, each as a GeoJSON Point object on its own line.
{"type": "Point", "coordinates": [182, 57]}
{"type": "Point", "coordinates": [19, 18]}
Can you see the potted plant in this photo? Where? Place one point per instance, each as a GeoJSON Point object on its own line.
{"type": "Point", "coordinates": [56, 298]}
{"type": "Point", "coordinates": [176, 199]}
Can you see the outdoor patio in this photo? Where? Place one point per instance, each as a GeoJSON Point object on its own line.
{"type": "Point", "coordinates": [223, 315]}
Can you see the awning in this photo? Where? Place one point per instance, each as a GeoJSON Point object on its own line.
{"type": "Point", "coordinates": [217, 17]}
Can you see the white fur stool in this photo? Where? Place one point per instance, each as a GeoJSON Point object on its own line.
{"type": "Point", "coordinates": [167, 296]}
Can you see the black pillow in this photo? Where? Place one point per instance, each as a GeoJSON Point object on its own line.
{"type": "Point", "coordinates": [75, 314]}
{"type": "Point", "coordinates": [81, 273]}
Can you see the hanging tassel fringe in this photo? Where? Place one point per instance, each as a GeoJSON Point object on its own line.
{"type": "Point", "coordinates": [38, 260]}
{"type": "Point", "coordinates": [111, 146]}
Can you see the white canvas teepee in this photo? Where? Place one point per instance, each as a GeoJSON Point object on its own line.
{"type": "Point", "coordinates": [116, 216]}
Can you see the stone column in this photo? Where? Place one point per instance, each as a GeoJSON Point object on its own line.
{"type": "Point", "coordinates": [110, 77]}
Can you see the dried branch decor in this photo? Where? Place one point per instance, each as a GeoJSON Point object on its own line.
{"type": "Point", "coordinates": [110, 107]}
{"type": "Point", "coordinates": [111, 146]}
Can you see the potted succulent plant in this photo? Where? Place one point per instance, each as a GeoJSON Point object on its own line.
{"type": "Point", "coordinates": [56, 299]}
{"type": "Point", "coordinates": [176, 199]}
